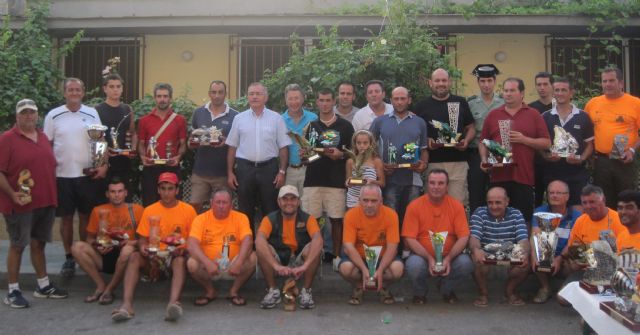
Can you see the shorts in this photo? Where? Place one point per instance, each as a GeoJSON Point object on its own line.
{"type": "Point", "coordinates": [330, 200]}
{"type": "Point", "coordinates": [109, 261]}
{"type": "Point", "coordinates": [79, 193]}
{"type": "Point", "coordinates": [36, 225]}
{"type": "Point", "coordinates": [202, 186]}
{"type": "Point", "coordinates": [344, 258]}
{"type": "Point", "coordinates": [225, 275]}
{"type": "Point", "coordinates": [296, 261]}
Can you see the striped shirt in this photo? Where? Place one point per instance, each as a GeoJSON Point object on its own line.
{"type": "Point", "coordinates": [487, 229]}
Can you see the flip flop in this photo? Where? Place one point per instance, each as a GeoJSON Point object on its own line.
{"type": "Point", "coordinates": [515, 300]}
{"type": "Point", "coordinates": [121, 314]}
{"type": "Point", "coordinates": [386, 297]}
{"type": "Point", "coordinates": [482, 301]}
{"type": "Point", "coordinates": [356, 296]}
{"type": "Point", "coordinates": [237, 300]}
{"type": "Point", "coordinates": [106, 298]}
{"type": "Point", "coordinates": [203, 300]}
{"type": "Point", "coordinates": [94, 297]}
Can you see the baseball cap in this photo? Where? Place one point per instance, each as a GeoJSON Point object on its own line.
{"type": "Point", "coordinates": [168, 177]}
{"type": "Point", "coordinates": [26, 104]}
{"type": "Point", "coordinates": [288, 189]}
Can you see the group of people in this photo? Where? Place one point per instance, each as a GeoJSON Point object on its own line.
{"type": "Point", "coordinates": [362, 171]}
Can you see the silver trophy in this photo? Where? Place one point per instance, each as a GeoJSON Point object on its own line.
{"type": "Point", "coordinates": [564, 144]}
{"type": "Point", "coordinates": [205, 136]}
{"type": "Point", "coordinates": [620, 142]}
{"type": "Point", "coordinates": [545, 242]}
{"type": "Point", "coordinates": [97, 148]}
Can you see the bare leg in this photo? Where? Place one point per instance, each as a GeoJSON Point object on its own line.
{"type": "Point", "coordinates": [38, 259]}
{"type": "Point", "coordinates": [90, 262]}
{"type": "Point", "coordinates": [516, 276]}
{"type": "Point", "coordinates": [82, 227]}
{"type": "Point", "coordinates": [480, 277]}
{"type": "Point", "coordinates": [247, 270]}
{"type": "Point", "coordinates": [14, 257]}
{"type": "Point", "coordinates": [66, 232]}
{"type": "Point", "coordinates": [178, 268]}
{"type": "Point", "coordinates": [200, 275]}
{"type": "Point", "coordinates": [131, 277]}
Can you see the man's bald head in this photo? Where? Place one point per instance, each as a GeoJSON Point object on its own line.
{"type": "Point", "coordinates": [439, 72]}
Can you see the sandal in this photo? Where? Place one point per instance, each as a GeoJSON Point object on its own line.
{"type": "Point", "coordinates": [94, 297]}
{"type": "Point", "coordinates": [515, 300]}
{"type": "Point", "coordinates": [450, 298]}
{"type": "Point", "coordinates": [237, 300]}
{"type": "Point", "coordinates": [481, 301]}
{"type": "Point", "coordinates": [121, 314]}
{"type": "Point", "coordinates": [419, 300]}
{"type": "Point", "coordinates": [203, 300]}
{"type": "Point", "coordinates": [386, 297]}
{"type": "Point", "coordinates": [542, 296]}
{"type": "Point", "coordinates": [106, 298]}
{"type": "Point", "coordinates": [356, 296]}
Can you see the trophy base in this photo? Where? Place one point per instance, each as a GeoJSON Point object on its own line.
{"type": "Point", "coordinates": [324, 150]}
{"type": "Point", "coordinates": [160, 161]}
{"type": "Point", "coordinates": [122, 152]}
{"type": "Point", "coordinates": [311, 159]}
{"type": "Point", "coordinates": [194, 144]}
{"type": "Point", "coordinates": [25, 199]}
{"type": "Point", "coordinates": [497, 165]}
{"type": "Point", "coordinates": [594, 289]}
{"type": "Point", "coordinates": [356, 182]}
{"type": "Point", "coordinates": [504, 262]}
{"type": "Point", "coordinates": [565, 155]}
{"type": "Point", "coordinates": [625, 318]}
{"type": "Point", "coordinates": [544, 269]}
{"type": "Point", "coordinates": [371, 285]}
{"type": "Point", "coordinates": [438, 269]}
{"type": "Point", "coordinates": [403, 165]}
{"type": "Point", "coordinates": [438, 145]}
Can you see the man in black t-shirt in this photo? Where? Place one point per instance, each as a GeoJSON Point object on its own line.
{"type": "Point", "coordinates": [324, 182]}
{"type": "Point", "coordinates": [118, 117]}
{"type": "Point", "coordinates": [453, 110]}
{"type": "Point", "coordinates": [544, 87]}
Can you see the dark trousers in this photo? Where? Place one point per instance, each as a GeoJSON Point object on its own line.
{"type": "Point", "coordinates": [520, 197]}
{"type": "Point", "coordinates": [614, 177]}
{"type": "Point", "coordinates": [149, 181]}
{"type": "Point", "coordinates": [540, 187]}
{"type": "Point", "coordinates": [477, 180]}
{"type": "Point", "coordinates": [255, 183]}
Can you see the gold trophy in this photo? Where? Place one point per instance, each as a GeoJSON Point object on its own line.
{"type": "Point", "coordinates": [356, 178]}
{"type": "Point", "coordinates": [545, 242]}
{"type": "Point", "coordinates": [25, 184]}
{"type": "Point", "coordinates": [154, 235]}
{"type": "Point", "coordinates": [307, 153]}
{"type": "Point", "coordinates": [564, 144]}
{"type": "Point", "coordinates": [371, 256]}
{"type": "Point", "coordinates": [97, 148]}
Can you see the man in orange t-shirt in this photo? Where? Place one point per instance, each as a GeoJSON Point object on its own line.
{"type": "Point", "coordinates": [94, 257]}
{"type": "Point", "coordinates": [629, 212]}
{"type": "Point", "coordinates": [220, 246]}
{"type": "Point", "coordinates": [288, 243]}
{"type": "Point", "coordinates": [371, 224]}
{"type": "Point", "coordinates": [165, 222]}
{"type": "Point", "coordinates": [436, 212]}
{"type": "Point", "coordinates": [614, 113]}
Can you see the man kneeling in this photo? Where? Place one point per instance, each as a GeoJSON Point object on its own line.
{"type": "Point", "coordinates": [371, 224]}
{"type": "Point", "coordinates": [292, 230]}
{"type": "Point", "coordinates": [220, 245]}
{"type": "Point", "coordinates": [108, 248]}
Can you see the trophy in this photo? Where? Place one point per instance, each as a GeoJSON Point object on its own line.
{"type": "Point", "coordinates": [152, 151]}
{"type": "Point", "coordinates": [603, 262]}
{"type": "Point", "coordinates": [499, 154]}
{"type": "Point", "coordinates": [371, 256]}
{"type": "Point", "coordinates": [97, 148]}
{"type": "Point", "coordinates": [154, 235]}
{"type": "Point", "coordinates": [392, 151]}
{"type": "Point", "coordinates": [503, 253]}
{"type": "Point", "coordinates": [437, 242]}
{"type": "Point", "coordinates": [308, 155]}
{"type": "Point", "coordinates": [408, 159]}
{"type": "Point", "coordinates": [223, 262]}
{"type": "Point", "coordinates": [116, 150]}
{"type": "Point", "coordinates": [103, 238]}
{"type": "Point", "coordinates": [329, 140]}
{"type": "Point", "coordinates": [357, 178]}
{"type": "Point", "coordinates": [205, 136]}
{"type": "Point", "coordinates": [620, 142]}
{"type": "Point", "coordinates": [564, 144]}
{"type": "Point", "coordinates": [625, 308]}
{"type": "Point", "coordinates": [447, 135]}
{"type": "Point", "coordinates": [545, 242]}
{"type": "Point", "coordinates": [25, 184]}
{"type": "Point", "coordinates": [289, 294]}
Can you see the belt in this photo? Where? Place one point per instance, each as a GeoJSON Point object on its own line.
{"type": "Point", "coordinates": [256, 164]}
{"type": "Point", "coordinates": [295, 166]}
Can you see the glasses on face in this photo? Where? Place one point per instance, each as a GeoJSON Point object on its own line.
{"type": "Point", "coordinates": [558, 193]}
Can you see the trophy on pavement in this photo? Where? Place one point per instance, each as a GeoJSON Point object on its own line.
{"type": "Point", "coordinates": [545, 242]}
{"type": "Point", "coordinates": [97, 148]}
{"type": "Point", "coordinates": [371, 256]}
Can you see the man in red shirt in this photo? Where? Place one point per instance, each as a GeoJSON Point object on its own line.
{"type": "Point", "coordinates": [28, 200]}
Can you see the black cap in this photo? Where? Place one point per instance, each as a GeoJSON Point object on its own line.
{"type": "Point", "coordinates": [485, 71]}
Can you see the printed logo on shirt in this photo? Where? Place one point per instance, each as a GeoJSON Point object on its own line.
{"type": "Point", "coordinates": [300, 224]}
{"type": "Point", "coordinates": [382, 236]}
{"type": "Point", "coordinates": [225, 122]}
{"type": "Point", "coordinates": [620, 119]}
{"type": "Point", "coordinates": [577, 126]}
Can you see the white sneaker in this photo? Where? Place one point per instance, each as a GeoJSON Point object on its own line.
{"type": "Point", "coordinates": [336, 264]}
{"type": "Point", "coordinates": [306, 299]}
{"type": "Point", "coordinates": [271, 299]}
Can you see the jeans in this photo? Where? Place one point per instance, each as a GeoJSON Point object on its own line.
{"type": "Point", "coordinates": [398, 197]}
{"type": "Point", "coordinates": [416, 267]}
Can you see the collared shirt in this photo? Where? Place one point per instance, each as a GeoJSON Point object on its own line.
{"type": "Point", "coordinates": [488, 229]}
{"type": "Point", "coordinates": [68, 132]}
{"type": "Point", "coordinates": [365, 116]}
{"type": "Point", "coordinates": [349, 116]}
{"type": "Point", "coordinates": [479, 110]}
{"type": "Point", "coordinates": [210, 161]}
{"type": "Point", "coordinates": [391, 131]}
{"type": "Point", "coordinates": [305, 119]}
{"type": "Point", "coordinates": [564, 228]}
{"type": "Point", "coordinates": [258, 138]}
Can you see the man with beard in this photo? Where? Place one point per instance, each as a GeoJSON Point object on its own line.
{"type": "Point", "coordinates": [629, 212]}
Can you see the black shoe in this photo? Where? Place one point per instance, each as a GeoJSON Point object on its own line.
{"type": "Point", "coordinates": [16, 300]}
{"type": "Point", "coordinates": [50, 291]}
{"type": "Point", "coordinates": [68, 268]}
{"type": "Point", "coordinates": [328, 257]}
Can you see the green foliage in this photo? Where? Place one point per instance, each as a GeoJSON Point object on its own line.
{"type": "Point", "coordinates": [403, 54]}
{"type": "Point", "coordinates": [29, 67]}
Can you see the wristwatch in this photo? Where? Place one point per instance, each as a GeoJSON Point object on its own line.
{"type": "Point", "coordinates": [281, 171]}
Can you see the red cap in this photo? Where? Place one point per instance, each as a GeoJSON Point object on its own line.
{"type": "Point", "coordinates": [168, 177]}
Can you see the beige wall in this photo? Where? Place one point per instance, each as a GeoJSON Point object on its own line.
{"type": "Point", "coordinates": [211, 60]}
{"type": "Point", "coordinates": [525, 56]}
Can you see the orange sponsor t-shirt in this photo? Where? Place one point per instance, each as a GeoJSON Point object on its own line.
{"type": "Point", "coordinates": [372, 231]}
{"type": "Point", "coordinates": [179, 216]}
{"type": "Point", "coordinates": [211, 232]}
{"type": "Point", "coordinates": [289, 231]}
{"type": "Point", "coordinates": [118, 218]}
{"type": "Point", "coordinates": [627, 240]}
{"type": "Point", "coordinates": [423, 216]}
{"type": "Point", "coordinates": [612, 117]}
{"type": "Point", "coordinates": [586, 230]}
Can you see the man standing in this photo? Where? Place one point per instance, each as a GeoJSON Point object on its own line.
{"type": "Point", "coordinates": [615, 114]}
{"type": "Point", "coordinates": [493, 223]}
{"type": "Point", "coordinates": [453, 110]}
{"type": "Point", "coordinates": [219, 246]}
{"type": "Point", "coordinates": [395, 130]}
{"type": "Point", "coordinates": [168, 217]}
{"type": "Point", "coordinates": [480, 106]}
{"type": "Point", "coordinates": [324, 189]}
{"type": "Point", "coordinates": [371, 224]}
{"type": "Point", "coordinates": [572, 169]}
{"type": "Point", "coordinates": [435, 213]}
{"type": "Point", "coordinates": [289, 244]}
{"type": "Point", "coordinates": [629, 212]}
{"type": "Point", "coordinates": [258, 150]}
{"type": "Point", "coordinates": [118, 117]}
{"type": "Point", "coordinates": [557, 202]}
{"type": "Point", "coordinates": [210, 164]}
{"type": "Point", "coordinates": [528, 133]}
{"type": "Point", "coordinates": [66, 126]}
{"type": "Point", "coordinates": [346, 95]}
{"type": "Point", "coordinates": [27, 200]}
{"type": "Point", "coordinates": [296, 118]}
{"type": "Point", "coordinates": [544, 85]}
{"type": "Point", "coordinates": [375, 106]}
{"type": "Point", "coordinates": [162, 131]}
{"type": "Point", "coordinates": [94, 257]}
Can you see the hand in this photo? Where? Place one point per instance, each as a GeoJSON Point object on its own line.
{"type": "Point", "coordinates": [235, 269]}
{"type": "Point", "coordinates": [552, 157]}
{"type": "Point", "coordinates": [298, 271]}
{"type": "Point", "coordinates": [388, 170]}
{"type": "Point", "coordinates": [282, 271]}
{"type": "Point", "coordinates": [478, 256]}
{"type": "Point", "coordinates": [212, 268]}
{"type": "Point", "coordinates": [100, 172]}
{"type": "Point", "coordinates": [463, 147]}
{"type": "Point", "coordinates": [333, 153]}
{"type": "Point", "coordinates": [146, 161]}
{"type": "Point", "coordinates": [517, 137]}
{"type": "Point", "coordinates": [573, 159]}
{"type": "Point", "coordinates": [232, 182]}
{"type": "Point", "coordinates": [557, 265]}
{"type": "Point", "coordinates": [430, 144]}
{"type": "Point", "coordinates": [484, 169]}
{"type": "Point", "coordinates": [446, 263]}
{"type": "Point", "coordinates": [628, 156]}
{"type": "Point", "coordinates": [221, 143]}
{"type": "Point", "coordinates": [420, 167]}
{"type": "Point", "coordinates": [143, 251]}
{"type": "Point", "coordinates": [174, 161]}
{"type": "Point", "coordinates": [279, 180]}
{"type": "Point", "coordinates": [378, 277]}
{"type": "Point", "coordinates": [103, 250]}
{"type": "Point", "coordinates": [19, 198]}
{"type": "Point", "coordinates": [525, 262]}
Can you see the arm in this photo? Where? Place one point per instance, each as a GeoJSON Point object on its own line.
{"type": "Point", "coordinates": [132, 130]}
{"type": "Point", "coordinates": [355, 258]}
{"type": "Point", "coordinates": [315, 248]}
{"type": "Point", "coordinates": [476, 250]}
{"type": "Point", "coordinates": [423, 162]}
{"type": "Point", "coordinates": [541, 143]}
{"type": "Point", "coordinates": [469, 134]}
{"type": "Point", "coordinates": [182, 148]}
{"type": "Point", "coordinates": [418, 249]}
{"type": "Point", "coordinates": [262, 248]}
{"type": "Point", "coordinates": [241, 258]}
{"type": "Point", "coordinates": [377, 163]}
{"type": "Point", "coordinates": [283, 161]}
{"type": "Point", "coordinates": [193, 245]}
{"type": "Point", "coordinates": [231, 161]}
{"type": "Point", "coordinates": [484, 154]}
{"type": "Point", "coordinates": [388, 256]}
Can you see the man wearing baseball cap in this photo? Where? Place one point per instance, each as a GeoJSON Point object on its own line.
{"type": "Point", "coordinates": [288, 243]}
{"type": "Point", "coordinates": [166, 255]}
{"type": "Point", "coordinates": [28, 200]}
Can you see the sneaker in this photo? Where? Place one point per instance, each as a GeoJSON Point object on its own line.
{"type": "Point", "coordinates": [271, 299]}
{"type": "Point", "coordinates": [16, 300]}
{"type": "Point", "coordinates": [50, 291]}
{"type": "Point", "coordinates": [306, 299]}
{"type": "Point", "coordinates": [336, 264]}
{"type": "Point", "coordinates": [68, 268]}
